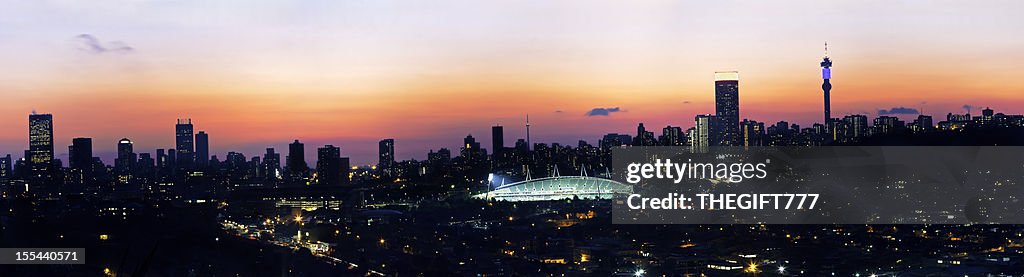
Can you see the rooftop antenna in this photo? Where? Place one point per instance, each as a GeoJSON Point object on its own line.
{"type": "Point", "coordinates": [826, 49]}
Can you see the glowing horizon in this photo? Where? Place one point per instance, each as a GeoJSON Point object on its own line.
{"type": "Point", "coordinates": [258, 74]}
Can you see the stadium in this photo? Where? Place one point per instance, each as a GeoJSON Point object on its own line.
{"type": "Point", "coordinates": [558, 188]}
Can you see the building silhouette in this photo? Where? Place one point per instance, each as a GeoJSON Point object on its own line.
{"type": "Point", "coordinates": [752, 133]}
{"type": "Point", "coordinates": [727, 108]}
{"type": "Point", "coordinates": [497, 140]}
{"type": "Point", "coordinates": [271, 167]}
{"type": "Point", "coordinates": [124, 165]}
{"type": "Point", "coordinates": [184, 144]}
{"type": "Point", "coordinates": [329, 166]}
{"type": "Point", "coordinates": [202, 150]}
{"type": "Point", "coordinates": [386, 155]}
{"type": "Point", "coordinates": [295, 163]}
{"type": "Point", "coordinates": [470, 147]}
{"type": "Point", "coordinates": [643, 137]}
{"type": "Point", "coordinates": [80, 154]}
{"type": "Point", "coordinates": [671, 136]}
{"type": "Point", "coordinates": [40, 145]}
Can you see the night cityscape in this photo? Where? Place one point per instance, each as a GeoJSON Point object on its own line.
{"type": "Point", "coordinates": [261, 214]}
{"type": "Point", "coordinates": [409, 149]}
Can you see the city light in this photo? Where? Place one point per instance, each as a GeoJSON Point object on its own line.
{"type": "Point", "coordinates": [751, 268]}
{"type": "Point", "coordinates": [782, 270]}
{"type": "Point", "coordinates": [639, 272]}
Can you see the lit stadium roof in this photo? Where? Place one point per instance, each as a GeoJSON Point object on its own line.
{"type": "Point", "coordinates": [558, 188]}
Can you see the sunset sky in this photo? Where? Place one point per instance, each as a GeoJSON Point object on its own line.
{"type": "Point", "coordinates": [257, 74]}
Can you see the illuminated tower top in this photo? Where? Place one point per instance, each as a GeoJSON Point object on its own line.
{"type": "Point", "coordinates": [826, 63]}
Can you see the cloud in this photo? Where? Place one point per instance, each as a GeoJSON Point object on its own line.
{"type": "Point", "coordinates": [686, 101]}
{"type": "Point", "coordinates": [898, 110]}
{"type": "Point", "coordinates": [603, 111]}
{"type": "Point", "coordinates": [91, 44]}
{"type": "Point", "coordinates": [968, 108]}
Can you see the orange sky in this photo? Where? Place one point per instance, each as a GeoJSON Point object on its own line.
{"type": "Point", "coordinates": [348, 73]}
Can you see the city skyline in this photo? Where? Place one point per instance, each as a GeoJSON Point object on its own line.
{"type": "Point", "coordinates": [333, 75]}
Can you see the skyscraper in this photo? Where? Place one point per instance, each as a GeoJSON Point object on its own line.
{"type": "Point", "coordinates": [184, 144]}
{"type": "Point", "coordinates": [727, 107]}
{"type": "Point", "coordinates": [701, 136]}
{"type": "Point", "coordinates": [497, 140]}
{"type": "Point", "coordinates": [125, 162]}
{"type": "Point", "coordinates": [202, 150]}
{"type": "Point", "coordinates": [328, 166]}
{"type": "Point", "coordinates": [826, 86]}
{"type": "Point", "coordinates": [40, 144]}
{"type": "Point", "coordinates": [80, 154]}
{"type": "Point", "coordinates": [295, 162]}
{"type": "Point", "coordinates": [387, 156]}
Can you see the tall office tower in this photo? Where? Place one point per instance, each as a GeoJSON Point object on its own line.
{"type": "Point", "coordinates": [295, 162]}
{"type": "Point", "coordinates": [727, 107]}
{"type": "Point", "coordinates": [497, 140]}
{"type": "Point", "coordinates": [701, 137]}
{"type": "Point", "coordinates": [6, 167]}
{"type": "Point", "coordinates": [202, 150]}
{"type": "Point", "coordinates": [328, 165]}
{"type": "Point", "coordinates": [40, 145]}
{"type": "Point", "coordinates": [124, 165]}
{"type": "Point", "coordinates": [271, 168]}
{"type": "Point", "coordinates": [184, 144]}
{"type": "Point", "coordinates": [387, 156]}
{"type": "Point", "coordinates": [826, 86]}
{"type": "Point", "coordinates": [80, 154]}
